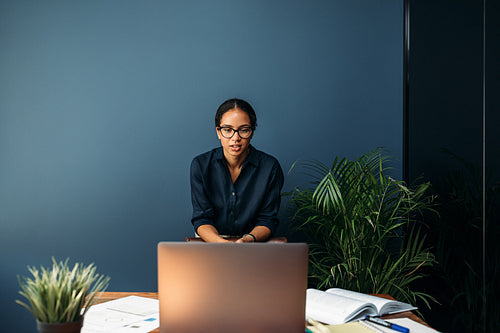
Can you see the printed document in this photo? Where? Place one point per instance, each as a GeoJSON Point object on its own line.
{"type": "Point", "coordinates": [132, 314]}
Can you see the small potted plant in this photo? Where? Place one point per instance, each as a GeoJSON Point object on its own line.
{"type": "Point", "coordinates": [60, 297]}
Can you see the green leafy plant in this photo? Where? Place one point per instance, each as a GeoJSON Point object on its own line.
{"type": "Point", "coordinates": [361, 229]}
{"type": "Point", "coordinates": [58, 295]}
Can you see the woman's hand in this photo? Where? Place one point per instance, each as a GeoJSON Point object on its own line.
{"type": "Point", "coordinates": [246, 239]}
{"type": "Point", "coordinates": [258, 234]}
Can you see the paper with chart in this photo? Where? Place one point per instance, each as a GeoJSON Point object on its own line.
{"type": "Point", "coordinates": [128, 314]}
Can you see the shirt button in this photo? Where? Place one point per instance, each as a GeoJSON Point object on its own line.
{"type": "Point", "coordinates": [233, 193]}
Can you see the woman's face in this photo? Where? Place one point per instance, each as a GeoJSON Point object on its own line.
{"type": "Point", "coordinates": [235, 119]}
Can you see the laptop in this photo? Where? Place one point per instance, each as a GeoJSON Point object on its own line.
{"type": "Point", "coordinates": [229, 287]}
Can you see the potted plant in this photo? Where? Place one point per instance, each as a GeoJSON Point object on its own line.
{"type": "Point", "coordinates": [60, 297]}
{"type": "Point", "coordinates": [360, 226]}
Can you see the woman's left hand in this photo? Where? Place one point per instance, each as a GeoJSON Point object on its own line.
{"type": "Point", "coordinates": [245, 239]}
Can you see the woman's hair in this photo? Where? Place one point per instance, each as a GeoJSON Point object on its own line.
{"type": "Point", "coordinates": [235, 103]}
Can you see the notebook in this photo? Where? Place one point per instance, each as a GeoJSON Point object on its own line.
{"type": "Point", "coordinates": [228, 287]}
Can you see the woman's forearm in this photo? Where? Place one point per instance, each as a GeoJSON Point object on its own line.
{"type": "Point", "coordinates": [209, 234]}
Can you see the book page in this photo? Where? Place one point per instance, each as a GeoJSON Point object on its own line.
{"type": "Point", "coordinates": [335, 309]}
{"type": "Point", "coordinates": [384, 306]}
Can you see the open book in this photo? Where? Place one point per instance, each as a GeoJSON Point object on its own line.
{"type": "Point", "coordinates": [337, 306]}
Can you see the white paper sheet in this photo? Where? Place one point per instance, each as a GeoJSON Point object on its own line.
{"type": "Point", "coordinates": [412, 325]}
{"type": "Point", "coordinates": [132, 314]}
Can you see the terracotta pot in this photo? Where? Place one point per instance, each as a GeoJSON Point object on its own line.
{"type": "Point", "coordinates": [72, 327]}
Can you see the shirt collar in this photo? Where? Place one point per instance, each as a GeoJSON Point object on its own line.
{"type": "Point", "coordinates": [252, 157]}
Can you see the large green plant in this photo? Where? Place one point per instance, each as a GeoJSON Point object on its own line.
{"type": "Point", "coordinates": [360, 227]}
{"type": "Point", "coordinates": [58, 295]}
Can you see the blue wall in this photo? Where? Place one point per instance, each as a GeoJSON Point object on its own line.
{"type": "Point", "coordinates": [103, 104]}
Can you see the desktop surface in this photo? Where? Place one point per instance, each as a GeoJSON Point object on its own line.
{"type": "Point", "coordinates": [110, 295]}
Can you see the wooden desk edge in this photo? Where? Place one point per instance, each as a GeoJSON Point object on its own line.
{"type": "Point", "coordinates": [111, 295]}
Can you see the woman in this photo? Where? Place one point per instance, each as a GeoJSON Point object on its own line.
{"type": "Point", "coordinates": [235, 189]}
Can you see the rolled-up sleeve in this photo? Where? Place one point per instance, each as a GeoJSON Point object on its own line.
{"type": "Point", "coordinates": [203, 210]}
{"type": "Point", "coordinates": [268, 214]}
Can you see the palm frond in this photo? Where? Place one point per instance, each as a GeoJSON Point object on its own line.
{"type": "Point", "coordinates": [359, 223]}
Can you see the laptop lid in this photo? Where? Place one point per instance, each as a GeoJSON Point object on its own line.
{"type": "Point", "coordinates": [228, 287]}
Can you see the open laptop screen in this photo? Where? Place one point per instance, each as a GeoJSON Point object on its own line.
{"type": "Point", "coordinates": [250, 287]}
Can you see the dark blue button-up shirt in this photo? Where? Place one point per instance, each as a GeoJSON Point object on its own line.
{"type": "Point", "coordinates": [235, 209]}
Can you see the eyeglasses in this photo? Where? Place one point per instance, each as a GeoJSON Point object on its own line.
{"type": "Point", "coordinates": [228, 132]}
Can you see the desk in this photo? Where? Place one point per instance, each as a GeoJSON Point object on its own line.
{"type": "Point", "coordinates": [109, 296]}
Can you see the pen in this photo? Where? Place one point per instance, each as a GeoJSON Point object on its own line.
{"type": "Point", "coordinates": [387, 324]}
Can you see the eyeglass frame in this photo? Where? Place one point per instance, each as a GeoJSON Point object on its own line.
{"type": "Point", "coordinates": [236, 131]}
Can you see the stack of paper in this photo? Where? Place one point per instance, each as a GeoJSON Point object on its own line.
{"type": "Point", "coordinates": [128, 314]}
